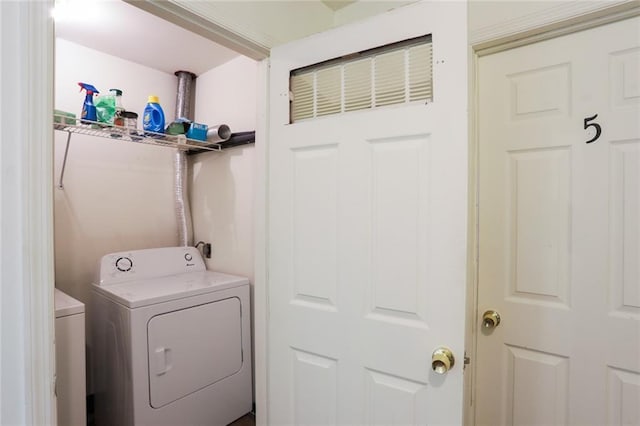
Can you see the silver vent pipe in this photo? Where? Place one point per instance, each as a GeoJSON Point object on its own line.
{"type": "Point", "coordinates": [184, 100]}
{"type": "Point", "coordinates": [219, 133]}
{"type": "Point", "coordinates": [184, 95]}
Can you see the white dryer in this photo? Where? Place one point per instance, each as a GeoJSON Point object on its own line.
{"type": "Point", "coordinates": [171, 340]}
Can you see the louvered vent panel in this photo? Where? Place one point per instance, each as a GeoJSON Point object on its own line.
{"type": "Point", "coordinates": [420, 72]}
{"type": "Point", "coordinates": [303, 96]}
{"type": "Point", "coordinates": [387, 75]}
{"type": "Point", "coordinates": [357, 85]}
{"type": "Point", "coordinates": [389, 71]}
{"type": "Point", "coordinates": [329, 91]}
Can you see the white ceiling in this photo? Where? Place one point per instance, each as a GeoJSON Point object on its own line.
{"type": "Point", "coordinates": [120, 29]}
{"type": "Point", "coordinates": [124, 30]}
{"type": "Point", "coordinates": [337, 4]}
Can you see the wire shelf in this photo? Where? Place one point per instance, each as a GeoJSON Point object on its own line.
{"type": "Point", "coordinates": [119, 133]}
{"type": "Point", "coordinates": [73, 125]}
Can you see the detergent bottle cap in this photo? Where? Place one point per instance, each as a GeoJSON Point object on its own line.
{"type": "Point", "coordinates": [116, 92]}
{"type": "Point", "coordinates": [153, 99]}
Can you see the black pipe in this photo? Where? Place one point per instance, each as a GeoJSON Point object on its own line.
{"type": "Point", "coordinates": [236, 139]}
{"type": "Point", "coordinates": [240, 138]}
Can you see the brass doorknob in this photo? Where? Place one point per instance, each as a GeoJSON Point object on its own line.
{"type": "Point", "coordinates": [442, 360]}
{"type": "Point", "coordinates": [490, 319]}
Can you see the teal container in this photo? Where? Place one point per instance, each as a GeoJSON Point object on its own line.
{"type": "Point", "coordinates": [153, 118]}
{"type": "Point", "coordinates": [198, 132]}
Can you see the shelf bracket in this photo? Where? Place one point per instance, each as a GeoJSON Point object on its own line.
{"type": "Point", "coordinates": [64, 161]}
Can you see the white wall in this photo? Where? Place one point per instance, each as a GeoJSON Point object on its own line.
{"type": "Point", "coordinates": [222, 185]}
{"type": "Point", "coordinates": [117, 195]}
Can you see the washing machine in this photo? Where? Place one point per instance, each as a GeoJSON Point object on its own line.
{"type": "Point", "coordinates": [170, 340]}
{"type": "Point", "coordinates": [71, 394]}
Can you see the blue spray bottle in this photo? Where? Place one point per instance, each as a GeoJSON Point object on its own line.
{"type": "Point", "coordinates": [88, 108]}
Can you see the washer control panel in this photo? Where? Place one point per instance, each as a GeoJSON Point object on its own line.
{"type": "Point", "coordinates": [143, 264]}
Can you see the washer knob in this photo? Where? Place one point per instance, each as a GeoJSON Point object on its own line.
{"type": "Point", "coordinates": [124, 264]}
{"type": "Point", "coordinates": [188, 257]}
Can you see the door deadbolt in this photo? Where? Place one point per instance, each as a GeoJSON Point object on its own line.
{"type": "Point", "coordinates": [442, 360]}
{"type": "Point", "coordinates": [490, 319]}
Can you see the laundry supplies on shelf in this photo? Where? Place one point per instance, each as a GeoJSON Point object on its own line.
{"type": "Point", "coordinates": [106, 108]}
{"type": "Point", "coordinates": [153, 118]}
{"type": "Point", "coordinates": [88, 107]}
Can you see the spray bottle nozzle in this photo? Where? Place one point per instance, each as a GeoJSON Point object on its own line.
{"type": "Point", "coordinates": [89, 88]}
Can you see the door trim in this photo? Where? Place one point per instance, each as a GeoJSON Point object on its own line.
{"type": "Point", "coordinates": [549, 23]}
{"type": "Point", "coordinates": [533, 29]}
{"type": "Point", "coordinates": [26, 186]}
{"type": "Point", "coordinates": [261, 219]}
{"type": "Point", "coordinates": [215, 30]}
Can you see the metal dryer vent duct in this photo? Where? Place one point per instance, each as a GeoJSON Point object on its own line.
{"type": "Point", "coordinates": [184, 100]}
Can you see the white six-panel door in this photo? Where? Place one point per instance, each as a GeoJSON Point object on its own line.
{"type": "Point", "coordinates": [367, 238]}
{"type": "Point", "coordinates": [560, 231]}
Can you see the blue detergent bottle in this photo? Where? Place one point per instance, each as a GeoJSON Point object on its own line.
{"type": "Point", "coordinates": [153, 118]}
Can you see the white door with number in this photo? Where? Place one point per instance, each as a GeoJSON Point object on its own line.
{"type": "Point", "coordinates": [559, 176]}
{"type": "Point", "coordinates": [367, 237]}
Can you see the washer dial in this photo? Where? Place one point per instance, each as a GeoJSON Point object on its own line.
{"type": "Point", "coordinates": [124, 264]}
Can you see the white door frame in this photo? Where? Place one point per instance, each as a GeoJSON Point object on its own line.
{"type": "Point", "coordinates": [261, 241]}
{"type": "Point", "coordinates": [551, 23]}
{"type": "Point", "coordinates": [27, 363]}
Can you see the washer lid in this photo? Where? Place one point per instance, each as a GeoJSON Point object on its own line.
{"type": "Point", "coordinates": [135, 294]}
{"type": "Point", "coordinates": [66, 305]}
